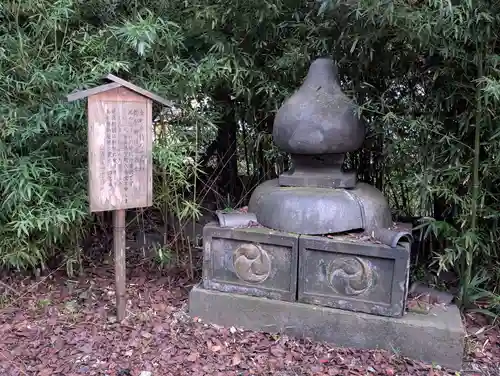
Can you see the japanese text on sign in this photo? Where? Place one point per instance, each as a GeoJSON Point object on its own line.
{"type": "Point", "coordinates": [123, 160]}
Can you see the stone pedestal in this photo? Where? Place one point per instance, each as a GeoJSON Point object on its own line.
{"type": "Point", "coordinates": [340, 272]}
{"type": "Point", "coordinates": [434, 338]}
{"type": "Point", "coordinates": [342, 290]}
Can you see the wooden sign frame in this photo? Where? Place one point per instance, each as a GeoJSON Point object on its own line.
{"type": "Point", "coordinates": [120, 138]}
{"type": "Point", "coordinates": [120, 142]}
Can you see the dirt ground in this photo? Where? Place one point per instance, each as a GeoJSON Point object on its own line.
{"type": "Point", "coordinates": [57, 326]}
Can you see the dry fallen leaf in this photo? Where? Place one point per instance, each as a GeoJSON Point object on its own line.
{"type": "Point", "coordinates": [146, 335]}
{"type": "Point", "coordinates": [215, 348]}
{"type": "Point", "coordinates": [277, 351]}
{"type": "Point", "coordinates": [478, 354]}
{"type": "Point", "coordinates": [46, 372]}
{"type": "Point", "coordinates": [193, 357]}
{"type": "Point", "coordinates": [236, 359]}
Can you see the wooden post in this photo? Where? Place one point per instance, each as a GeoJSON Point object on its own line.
{"type": "Point", "coordinates": [120, 263]}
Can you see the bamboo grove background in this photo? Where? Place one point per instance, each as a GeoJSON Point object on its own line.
{"type": "Point", "coordinates": [424, 73]}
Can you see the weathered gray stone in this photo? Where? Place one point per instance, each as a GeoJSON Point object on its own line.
{"type": "Point", "coordinates": [318, 118]}
{"type": "Point", "coordinates": [317, 211]}
{"type": "Point", "coordinates": [254, 261]}
{"type": "Point", "coordinates": [437, 337]}
{"type": "Point", "coordinates": [235, 219]}
{"type": "Point", "coordinates": [318, 171]}
{"type": "Point", "coordinates": [318, 178]}
{"type": "Point", "coordinates": [354, 275]}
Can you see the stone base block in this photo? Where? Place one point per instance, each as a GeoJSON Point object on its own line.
{"type": "Point", "coordinates": [437, 337]}
{"type": "Point", "coordinates": [252, 261]}
{"type": "Point", "coordinates": [356, 276]}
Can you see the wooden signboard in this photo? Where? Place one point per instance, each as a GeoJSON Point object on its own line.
{"type": "Point", "coordinates": [120, 141]}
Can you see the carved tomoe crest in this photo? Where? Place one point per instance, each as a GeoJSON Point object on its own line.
{"type": "Point", "coordinates": [350, 275]}
{"type": "Point", "coordinates": [251, 263]}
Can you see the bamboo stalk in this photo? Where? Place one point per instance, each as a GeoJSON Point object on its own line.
{"type": "Point", "coordinates": [475, 185]}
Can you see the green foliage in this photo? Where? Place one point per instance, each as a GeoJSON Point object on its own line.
{"type": "Point", "coordinates": [425, 74]}
{"type": "Point", "coordinates": [438, 95]}
{"type": "Point", "coordinates": [163, 257]}
{"type": "Point", "coordinates": [49, 49]}
{"type": "Point", "coordinates": [42, 180]}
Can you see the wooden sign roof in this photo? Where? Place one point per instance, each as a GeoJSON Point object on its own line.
{"type": "Point", "coordinates": [117, 82]}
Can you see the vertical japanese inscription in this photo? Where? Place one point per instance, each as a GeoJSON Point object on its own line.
{"type": "Point", "coordinates": [123, 156]}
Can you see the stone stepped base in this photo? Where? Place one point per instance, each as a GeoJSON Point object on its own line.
{"type": "Point", "coordinates": [437, 337]}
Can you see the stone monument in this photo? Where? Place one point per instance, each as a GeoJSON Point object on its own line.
{"type": "Point", "coordinates": [317, 254]}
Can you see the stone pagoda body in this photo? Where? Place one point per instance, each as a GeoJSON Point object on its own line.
{"type": "Point", "coordinates": [317, 254]}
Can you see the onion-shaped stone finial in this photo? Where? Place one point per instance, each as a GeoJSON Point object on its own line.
{"type": "Point", "coordinates": [318, 118]}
